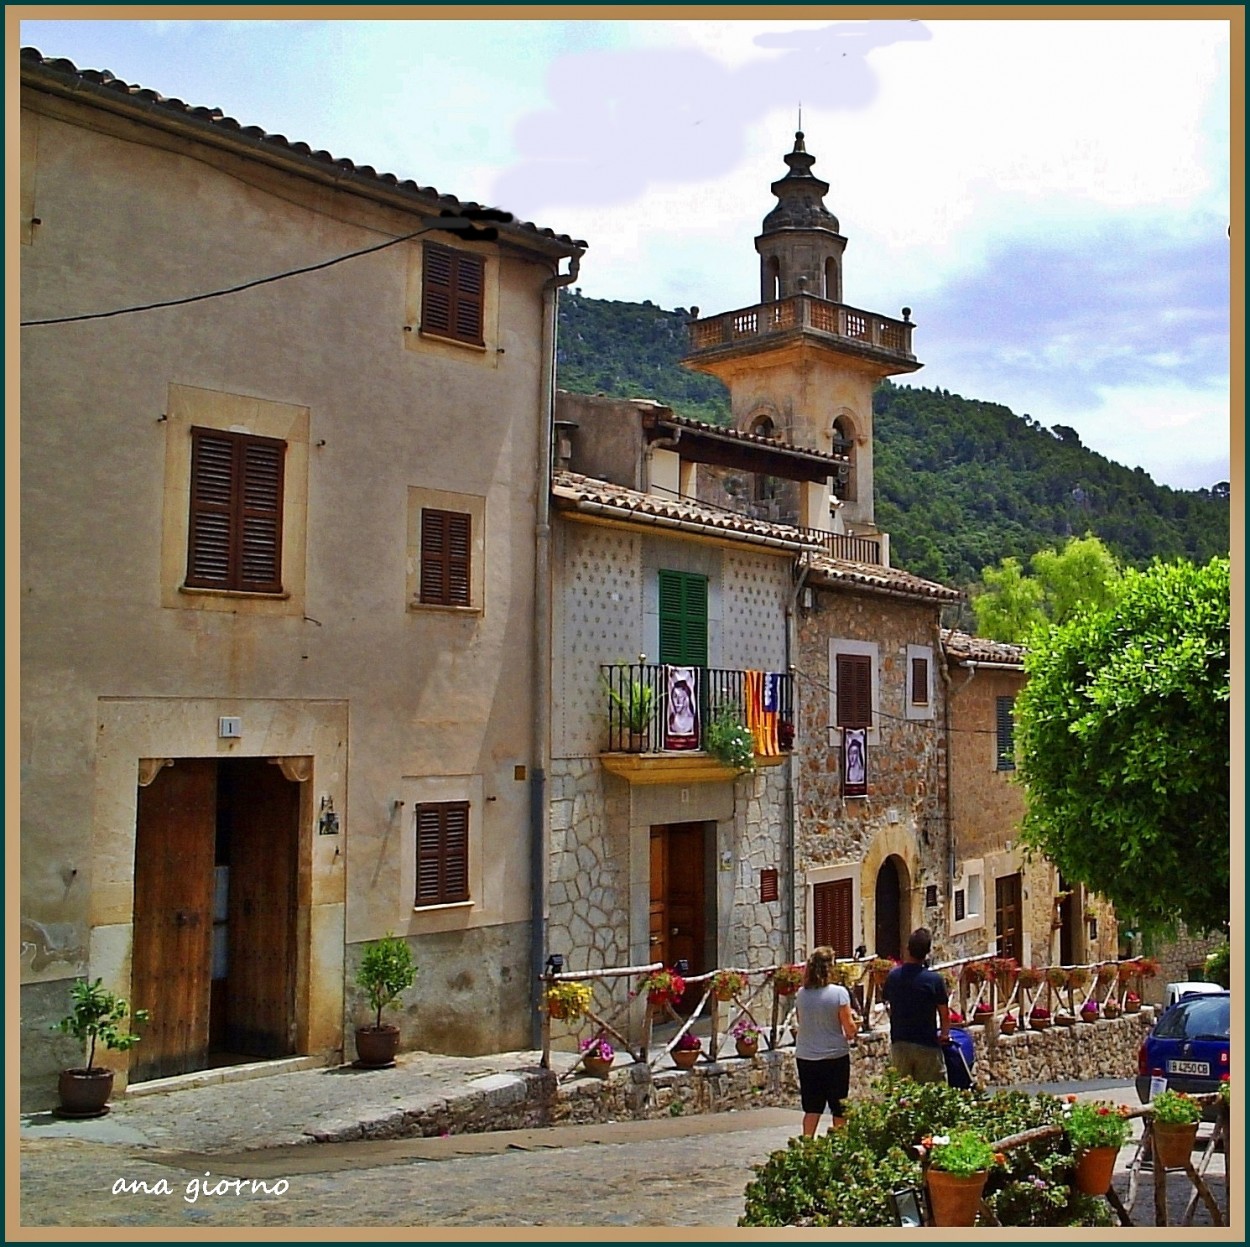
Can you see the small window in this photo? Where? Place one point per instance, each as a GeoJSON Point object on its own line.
{"type": "Point", "coordinates": [854, 690]}
{"type": "Point", "coordinates": [769, 884]}
{"type": "Point", "coordinates": [442, 853]}
{"type": "Point", "coordinates": [919, 681]}
{"type": "Point", "coordinates": [1005, 753]}
{"type": "Point", "coordinates": [683, 619]}
{"type": "Point", "coordinates": [961, 904]}
{"type": "Point", "coordinates": [975, 890]}
{"type": "Point", "coordinates": [930, 896]}
{"type": "Point", "coordinates": [452, 294]}
{"type": "Point", "coordinates": [833, 916]}
{"type": "Point", "coordinates": [234, 539]}
{"type": "Point", "coordinates": [446, 542]}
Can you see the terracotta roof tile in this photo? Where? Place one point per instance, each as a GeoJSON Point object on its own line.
{"type": "Point", "coordinates": [963, 647]}
{"type": "Point", "coordinates": [64, 72]}
{"type": "Point", "coordinates": [754, 439]}
{"type": "Point", "coordinates": [870, 577]}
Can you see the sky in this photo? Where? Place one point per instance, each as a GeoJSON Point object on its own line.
{"type": "Point", "coordinates": [1049, 197]}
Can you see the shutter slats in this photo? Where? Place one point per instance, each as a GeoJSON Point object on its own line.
{"type": "Point", "coordinates": [446, 548]}
{"type": "Point", "coordinates": [683, 618]}
{"type": "Point", "coordinates": [234, 538]}
{"type": "Point", "coordinates": [854, 690]}
{"type": "Point", "coordinates": [442, 853]}
{"type": "Point", "coordinates": [452, 295]}
{"type": "Point", "coordinates": [920, 681]}
{"type": "Point", "coordinates": [832, 916]}
{"type": "Point", "coordinates": [1005, 728]}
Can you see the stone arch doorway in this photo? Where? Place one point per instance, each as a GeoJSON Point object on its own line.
{"type": "Point", "coordinates": [891, 908]}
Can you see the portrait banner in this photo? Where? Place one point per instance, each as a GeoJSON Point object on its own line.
{"type": "Point", "coordinates": [855, 762]}
{"type": "Point", "coordinates": [681, 708]}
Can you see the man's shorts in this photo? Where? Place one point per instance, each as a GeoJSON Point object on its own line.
{"type": "Point", "coordinates": [918, 1061]}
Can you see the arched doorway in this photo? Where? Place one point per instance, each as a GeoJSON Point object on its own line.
{"type": "Point", "coordinates": [891, 912]}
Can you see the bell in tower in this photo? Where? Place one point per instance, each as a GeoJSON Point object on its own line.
{"type": "Point", "coordinates": [800, 249]}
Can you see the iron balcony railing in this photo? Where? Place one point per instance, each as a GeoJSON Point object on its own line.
{"type": "Point", "coordinates": [638, 706]}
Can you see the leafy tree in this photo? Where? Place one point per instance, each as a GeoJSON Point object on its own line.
{"type": "Point", "coordinates": [1083, 573]}
{"type": "Point", "coordinates": [1122, 732]}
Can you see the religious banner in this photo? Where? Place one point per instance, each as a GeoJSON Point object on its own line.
{"type": "Point", "coordinates": [681, 708]}
{"type": "Point", "coordinates": [855, 762]}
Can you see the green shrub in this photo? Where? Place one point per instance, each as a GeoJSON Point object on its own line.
{"type": "Point", "coordinates": [386, 970]}
{"type": "Point", "coordinates": [729, 740]}
{"type": "Point", "coordinates": [844, 1178]}
{"type": "Point", "coordinates": [1216, 967]}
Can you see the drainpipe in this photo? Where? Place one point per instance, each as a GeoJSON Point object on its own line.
{"type": "Point", "coordinates": [542, 649]}
{"type": "Point", "coordinates": [789, 830]}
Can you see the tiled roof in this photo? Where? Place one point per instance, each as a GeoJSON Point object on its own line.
{"type": "Point", "coordinates": [103, 85]}
{"type": "Point", "coordinates": [754, 439]}
{"type": "Point", "coordinates": [574, 492]}
{"type": "Point", "coordinates": [872, 578]}
{"type": "Point", "coordinates": [964, 648]}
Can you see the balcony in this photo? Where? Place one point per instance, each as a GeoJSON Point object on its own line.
{"type": "Point", "coordinates": [875, 335]}
{"type": "Point", "coordinates": [637, 704]}
{"type": "Point", "coordinates": [847, 548]}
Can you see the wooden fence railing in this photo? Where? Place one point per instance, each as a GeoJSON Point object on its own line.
{"type": "Point", "coordinates": [982, 988]}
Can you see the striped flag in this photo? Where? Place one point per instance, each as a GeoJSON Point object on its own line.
{"type": "Point", "coordinates": [763, 700]}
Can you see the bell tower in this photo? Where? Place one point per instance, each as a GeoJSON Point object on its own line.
{"type": "Point", "coordinates": [801, 365]}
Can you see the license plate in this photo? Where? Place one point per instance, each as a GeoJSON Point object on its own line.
{"type": "Point", "coordinates": [1201, 1068]}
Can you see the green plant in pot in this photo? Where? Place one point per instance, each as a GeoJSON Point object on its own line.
{"type": "Point", "coordinates": [633, 710]}
{"type": "Point", "coordinates": [386, 971]}
{"type": "Point", "coordinates": [96, 1017]}
{"type": "Point", "coordinates": [729, 740]}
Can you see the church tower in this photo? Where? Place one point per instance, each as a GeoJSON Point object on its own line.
{"type": "Point", "coordinates": [801, 365]}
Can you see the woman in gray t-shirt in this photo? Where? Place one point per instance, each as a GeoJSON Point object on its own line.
{"type": "Point", "coordinates": [822, 1048]}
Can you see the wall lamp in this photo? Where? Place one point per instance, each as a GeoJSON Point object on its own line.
{"type": "Point", "coordinates": [555, 963]}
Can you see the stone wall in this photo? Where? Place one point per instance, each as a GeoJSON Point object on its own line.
{"type": "Point", "coordinates": [1103, 1049]}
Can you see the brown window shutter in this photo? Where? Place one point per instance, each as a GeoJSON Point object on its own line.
{"type": "Point", "coordinates": [452, 294]}
{"type": "Point", "coordinates": [446, 545]}
{"type": "Point", "coordinates": [442, 853]}
{"type": "Point", "coordinates": [234, 538]}
{"type": "Point", "coordinates": [854, 676]}
{"type": "Point", "coordinates": [833, 918]}
{"type": "Point", "coordinates": [919, 681]}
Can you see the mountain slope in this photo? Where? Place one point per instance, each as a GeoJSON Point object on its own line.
{"type": "Point", "coordinates": [960, 482]}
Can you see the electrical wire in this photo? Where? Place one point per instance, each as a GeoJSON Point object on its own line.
{"type": "Point", "coordinates": [247, 285]}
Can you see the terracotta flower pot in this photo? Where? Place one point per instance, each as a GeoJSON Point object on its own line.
{"type": "Point", "coordinates": [376, 1046]}
{"type": "Point", "coordinates": [1039, 1024]}
{"type": "Point", "coordinates": [1008, 1028]}
{"type": "Point", "coordinates": [1094, 1168]}
{"type": "Point", "coordinates": [747, 1047]}
{"type": "Point", "coordinates": [85, 1092]}
{"type": "Point", "coordinates": [597, 1067]}
{"type": "Point", "coordinates": [1174, 1142]}
{"type": "Point", "coordinates": [685, 1058]}
{"type": "Point", "coordinates": [1133, 1007]}
{"type": "Point", "coordinates": [954, 1199]}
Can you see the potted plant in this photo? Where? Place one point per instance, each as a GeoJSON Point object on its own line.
{"type": "Point", "coordinates": [746, 1036]}
{"type": "Point", "coordinates": [96, 1016]}
{"type": "Point", "coordinates": [635, 708]}
{"type": "Point", "coordinates": [598, 1055]}
{"type": "Point", "coordinates": [959, 1164]}
{"type": "Point", "coordinates": [1089, 1011]}
{"type": "Point", "coordinates": [1004, 971]}
{"type": "Point", "coordinates": [686, 1050]}
{"type": "Point", "coordinates": [879, 970]}
{"type": "Point", "coordinates": [1174, 1126]}
{"type": "Point", "coordinates": [726, 984]}
{"type": "Point", "coordinates": [1112, 1009]}
{"type": "Point", "coordinates": [1039, 1018]}
{"type": "Point", "coordinates": [1132, 1002]}
{"type": "Point", "coordinates": [981, 1013]}
{"type": "Point", "coordinates": [729, 740]}
{"type": "Point", "coordinates": [975, 972]}
{"type": "Point", "coordinates": [1064, 1018]}
{"type": "Point", "coordinates": [1008, 1025]}
{"type": "Point", "coordinates": [567, 1001]}
{"type": "Point", "coordinates": [662, 987]}
{"type": "Point", "coordinates": [1097, 1132]}
{"type": "Point", "coordinates": [386, 971]}
{"type": "Point", "coordinates": [1078, 978]}
{"type": "Point", "coordinates": [1057, 977]}
{"type": "Point", "coordinates": [1147, 967]}
{"type": "Point", "coordinates": [785, 735]}
{"type": "Point", "coordinates": [788, 979]}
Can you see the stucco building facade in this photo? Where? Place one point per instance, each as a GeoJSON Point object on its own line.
{"type": "Point", "coordinates": [283, 624]}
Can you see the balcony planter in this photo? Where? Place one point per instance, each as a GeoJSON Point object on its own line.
{"type": "Point", "coordinates": [953, 1198]}
{"type": "Point", "coordinates": [1094, 1169]}
{"type": "Point", "coordinates": [1174, 1142]}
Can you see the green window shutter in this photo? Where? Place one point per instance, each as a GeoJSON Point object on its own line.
{"type": "Point", "coordinates": [1006, 732]}
{"type": "Point", "coordinates": [683, 619]}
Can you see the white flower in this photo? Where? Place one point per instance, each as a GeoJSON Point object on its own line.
{"type": "Point", "coordinates": [940, 1139]}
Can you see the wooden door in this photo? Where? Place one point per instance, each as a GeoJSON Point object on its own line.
{"type": "Point", "coordinates": [1007, 911]}
{"type": "Point", "coordinates": [173, 918]}
{"type": "Point", "coordinates": [678, 925]}
{"type": "Point", "coordinates": [259, 822]}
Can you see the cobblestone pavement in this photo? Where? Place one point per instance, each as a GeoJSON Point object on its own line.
{"type": "Point", "coordinates": [687, 1171]}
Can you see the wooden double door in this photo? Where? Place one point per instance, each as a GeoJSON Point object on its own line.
{"type": "Point", "coordinates": [1008, 916]}
{"type": "Point", "coordinates": [215, 905]}
{"type": "Point", "coordinates": [678, 928]}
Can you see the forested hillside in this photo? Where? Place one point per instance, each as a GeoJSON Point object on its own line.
{"type": "Point", "coordinates": [960, 483]}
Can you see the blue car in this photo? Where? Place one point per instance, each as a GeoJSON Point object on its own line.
{"type": "Point", "coordinates": [1188, 1046]}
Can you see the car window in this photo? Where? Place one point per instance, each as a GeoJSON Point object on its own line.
{"type": "Point", "coordinates": [1192, 1018]}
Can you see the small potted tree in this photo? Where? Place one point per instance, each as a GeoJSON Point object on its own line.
{"type": "Point", "coordinates": [386, 971]}
{"type": "Point", "coordinates": [97, 1015]}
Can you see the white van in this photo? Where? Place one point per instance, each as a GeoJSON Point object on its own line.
{"type": "Point", "coordinates": [1178, 991]}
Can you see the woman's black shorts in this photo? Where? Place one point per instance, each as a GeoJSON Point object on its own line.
{"type": "Point", "coordinates": [824, 1083]}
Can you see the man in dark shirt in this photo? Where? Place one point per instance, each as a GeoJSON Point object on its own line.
{"type": "Point", "coordinates": [919, 1017]}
